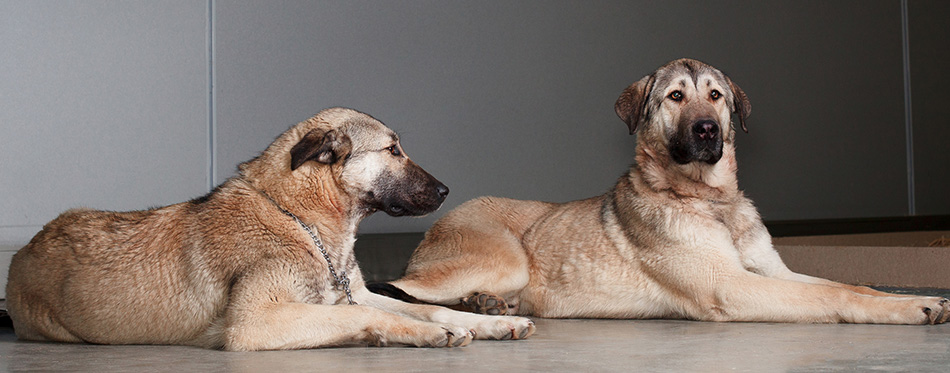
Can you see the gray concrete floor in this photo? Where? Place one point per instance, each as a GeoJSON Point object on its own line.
{"type": "Point", "coordinates": [558, 345]}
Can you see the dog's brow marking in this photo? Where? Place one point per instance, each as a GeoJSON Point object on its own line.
{"type": "Point", "coordinates": [683, 83]}
{"type": "Point", "coordinates": [691, 72]}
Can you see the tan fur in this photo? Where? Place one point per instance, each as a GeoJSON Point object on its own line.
{"type": "Point", "coordinates": [230, 270]}
{"type": "Point", "coordinates": [670, 240]}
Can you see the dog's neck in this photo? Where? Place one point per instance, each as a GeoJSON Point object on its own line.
{"type": "Point", "coordinates": [655, 172]}
{"type": "Point", "coordinates": [332, 238]}
{"type": "Point", "coordinates": [317, 200]}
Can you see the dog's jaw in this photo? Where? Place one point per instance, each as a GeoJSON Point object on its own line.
{"type": "Point", "coordinates": [695, 179]}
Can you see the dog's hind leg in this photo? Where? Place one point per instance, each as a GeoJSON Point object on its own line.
{"type": "Point", "coordinates": [475, 249]}
{"type": "Point", "coordinates": [40, 325]}
{"type": "Point", "coordinates": [486, 269]}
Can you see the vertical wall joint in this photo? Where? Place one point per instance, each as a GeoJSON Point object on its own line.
{"type": "Point", "coordinates": [212, 142]}
{"type": "Point", "coordinates": [908, 112]}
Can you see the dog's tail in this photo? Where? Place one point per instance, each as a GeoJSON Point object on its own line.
{"type": "Point", "coordinates": [390, 290]}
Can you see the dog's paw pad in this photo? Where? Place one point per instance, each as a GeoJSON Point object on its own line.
{"type": "Point", "coordinates": [485, 303]}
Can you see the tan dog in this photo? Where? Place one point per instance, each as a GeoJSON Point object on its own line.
{"type": "Point", "coordinates": [674, 238]}
{"type": "Point", "coordinates": [238, 269]}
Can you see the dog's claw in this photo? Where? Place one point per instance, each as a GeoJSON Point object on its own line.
{"type": "Point", "coordinates": [456, 338]}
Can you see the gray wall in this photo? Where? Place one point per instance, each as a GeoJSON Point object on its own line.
{"type": "Point", "coordinates": [104, 105]}
{"type": "Point", "coordinates": [110, 104]}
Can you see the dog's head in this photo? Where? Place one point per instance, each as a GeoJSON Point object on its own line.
{"type": "Point", "coordinates": [345, 152]}
{"type": "Point", "coordinates": [685, 107]}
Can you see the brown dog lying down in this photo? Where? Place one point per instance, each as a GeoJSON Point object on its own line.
{"type": "Point", "coordinates": [265, 261]}
{"type": "Point", "coordinates": [674, 238]}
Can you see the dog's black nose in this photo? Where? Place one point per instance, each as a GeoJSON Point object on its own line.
{"type": "Point", "coordinates": [442, 190]}
{"type": "Point", "coordinates": [706, 130]}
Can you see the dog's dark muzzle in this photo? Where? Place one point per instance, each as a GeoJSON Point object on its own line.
{"type": "Point", "coordinates": [701, 142]}
{"type": "Point", "coordinates": [422, 202]}
{"type": "Point", "coordinates": [413, 193]}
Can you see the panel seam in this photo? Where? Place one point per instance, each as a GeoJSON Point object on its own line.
{"type": "Point", "coordinates": [908, 109]}
{"type": "Point", "coordinates": [212, 130]}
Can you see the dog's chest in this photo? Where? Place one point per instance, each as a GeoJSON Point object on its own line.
{"type": "Point", "coordinates": [732, 216]}
{"type": "Point", "coordinates": [719, 211]}
{"type": "Point", "coordinates": [318, 265]}
{"type": "Point", "coordinates": [317, 284]}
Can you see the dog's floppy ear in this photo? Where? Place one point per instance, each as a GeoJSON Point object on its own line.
{"type": "Point", "coordinates": [319, 145]}
{"type": "Point", "coordinates": [740, 104]}
{"type": "Point", "coordinates": [632, 102]}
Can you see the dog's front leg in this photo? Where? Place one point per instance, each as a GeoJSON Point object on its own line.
{"type": "Point", "coordinates": [750, 297]}
{"type": "Point", "coordinates": [711, 285]}
{"type": "Point", "coordinates": [484, 326]}
{"type": "Point", "coordinates": [759, 256]}
{"type": "Point", "coordinates": [286, 325]}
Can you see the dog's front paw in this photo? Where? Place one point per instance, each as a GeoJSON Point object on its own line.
{"type": "Point", "coordinates": [408, 332]}
{"type": "Point", "coordinates": [451, 336]}
{"type": "Point", "coordinates": [505, 327]}
{"type": "Point", "coordinates": [938, 313]}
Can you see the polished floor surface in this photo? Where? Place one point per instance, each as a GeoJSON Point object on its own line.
{"type": "Point", "coordinates": [558, 345]}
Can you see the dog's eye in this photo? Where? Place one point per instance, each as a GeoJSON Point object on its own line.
{"type": "Point", "coordinates": [394, 150]}
{"type": "Point", "coordinates": [715, 95]}
{"type": "Point", "coordinates": [676, 96]}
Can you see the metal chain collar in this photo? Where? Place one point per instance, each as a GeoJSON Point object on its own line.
{"type": "Point", "coordinates": [342, 280]}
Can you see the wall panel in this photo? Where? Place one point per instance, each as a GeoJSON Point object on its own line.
{"type": "Point", "coordinates": [104, 106]}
